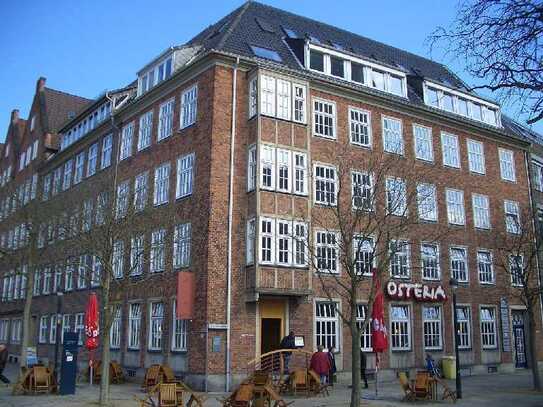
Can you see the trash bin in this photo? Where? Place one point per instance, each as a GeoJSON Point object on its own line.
{"type": "Point", "coordinates": [449, 367]}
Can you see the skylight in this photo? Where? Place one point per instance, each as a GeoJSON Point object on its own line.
{"type": "Point", "coordinates": [290, 33]}
{"type": "Point", "coordinates": [266, 53]}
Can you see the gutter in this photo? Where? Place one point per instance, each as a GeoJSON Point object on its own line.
{"type": "Point", "coordinates": [230, 215]}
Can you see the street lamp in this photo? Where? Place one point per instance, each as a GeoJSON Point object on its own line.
{"type": "Point", "coordinates": [454, 285]}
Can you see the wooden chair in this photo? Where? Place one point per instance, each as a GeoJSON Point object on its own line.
{"type": "Point", "coordinates": [300, 382]}
{"type": "Point", "coordinates": [167, 395]}
{"type": "Point", "coordinates": [167, 375]}
{"type": "Point", "coordinates": [116, 372]}
{"type": "Point", "coordinates": [42, 383]}
{"type": "Point", "coordinates": [316, 386]}
{"type": "Point", "coordinates": [422, 386]}
{"type": "Point", "coordinates": [447, 392]}
{"type": "Point", "coordinates": [273, 395]}
{"type": "Point", "coordinates": [261, 378]}
{"type": "Point", "coordinates": [152, 377]}
{"type": "Point", "coordinates": [409, 394]}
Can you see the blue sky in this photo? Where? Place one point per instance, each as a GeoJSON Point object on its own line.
{"type": "Point", "coordinates": [86, 47]}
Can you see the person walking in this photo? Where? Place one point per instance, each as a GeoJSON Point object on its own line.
{"type": "Point", "coordinates": [3, 361]}
{"type": "Point", "coordinates": [320, 364]}
{"type": "Point", "coordinates": [333, 369]}
{"type": "Point", "coordinates": [288, 342]}
{"type": "Point", "coordinates": [363, 368]}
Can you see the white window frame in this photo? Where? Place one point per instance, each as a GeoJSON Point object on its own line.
{"type": "Point", "coordinates": [179, 332]}
{"type": "Point", "coordinates": [360, 127]}
{"type": "Point", "coordinates": [432, 328]}
{"type": "Point", "coordinates": [512, 209]}
{"type": "Point", "coordinates": [161, 190]}
{"type": "Point", "coordinates": [182, 239]}
{"type": "Point", "coordinates": [327, 324]}
{"type": "Point", "coordinates": [251, 168]}
{"type": "Point", "coordinates": [396, 196]}
{"type": "Point", "coordinates": [250, 236]}
{"type": "Point", "coordinates": [393, 141]}
{"type": "Point", "coordinates": [330, 250]}
{"type": "Point", "coordinates": [362, 192]}
{"type": "Point", "coordinates": [483, 273]}
{"type": "Point", "coordinates": [488, 328]}
{"type": "Point", "coordinates": [450, 150]}
{"type": "Point", "coordinates": [423, 135]}
{"type": "Point", "coordinates": [481, 211]}
{"type": "Point", "coordinates": [464, 279]}
{"type": "Point", "coordinates": [428, 271]}
{"type": "Point", "coordinates": [157, 256]}
{"type": "Point", "coordinates": [107, 149]}
{"type": "Point", "coordinates": [127, 135]}
{"type": "Point", "coordinates": [189, 107]}
{"type": "Point", "coordinates": [324, 111]}
{"type": "Point", "coordinates": [464, 326]}
{"type": "Point", "coordinates": [156, 324]}
{"type": "Point", "coordinates": [329, 179]}
{"type": "Point", "coordinates": [395, 260]}
{"type": "Point", "coordinates": [185, 175]}
{"type": "Point", "coordinates": [145, 130]}
{"type": "Point", "coordinates": [507, 164]}
{"type": "Point", "coordinates": [134, 325]}
{"type": "Point", "coordinates": [427, 202]}
{"type": "Point", "coordinates": [476, 156]}
{"type": "Point", "coordinates": [165, 119]}
{"type": "Point", "coordinates": [456, 214]}
{"type": "Point", "coordinates": [400, 329]}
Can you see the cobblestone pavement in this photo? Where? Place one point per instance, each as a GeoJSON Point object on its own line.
{"type": "Point", "coordinates": [494, 390]}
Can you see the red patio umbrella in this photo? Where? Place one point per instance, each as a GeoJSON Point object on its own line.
{"type": "Point", "coordinates": [379, 337]}
{"type": "Point", "coordinates": [91, 329]}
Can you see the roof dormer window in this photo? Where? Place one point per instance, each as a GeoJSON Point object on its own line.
{"type": "Point", "coordinates": [461, 103]}
{"type": "Point", "coordinates": [340, 64]}
{"type": "Point", "coordinates": [156, 74]}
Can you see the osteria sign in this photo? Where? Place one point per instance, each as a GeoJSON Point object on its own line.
{"type": "Point", "coordinates": [416, 291]}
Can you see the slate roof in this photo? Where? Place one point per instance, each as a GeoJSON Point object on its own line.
{"type": "Point", "coordinates": [60, 106]}
{"type": "Point", "coordinates": [257, 24]}
{"type": "Point", "coordinates": [264, 26]}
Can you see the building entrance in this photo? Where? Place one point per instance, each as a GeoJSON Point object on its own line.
{"type": "Point", "coordinates": [272, 324]}
{"type": "Point", "coordinates": [520, 340]}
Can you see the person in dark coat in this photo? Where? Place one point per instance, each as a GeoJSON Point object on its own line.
{"type": "Point", "coordinates": [320, 364]}
{"type": "Point", "coordinates": [333, 369]}
{"type": "Point", "coordinates": [3, 361]}
{"type": "Point", "coordinates": [288, 342]}
{"type": "Point", "coordinates": [363, 368]}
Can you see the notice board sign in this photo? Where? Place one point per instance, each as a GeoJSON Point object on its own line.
{"type": "Point", "coordinates": [299, 341]}
{"type": "Point", "coordinates": [506, 328]}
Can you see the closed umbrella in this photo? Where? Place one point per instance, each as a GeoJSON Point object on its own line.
{"type": "Point", "coordinates": [378, 328]}
{"type": "Point", "coordinates": [91, 329]}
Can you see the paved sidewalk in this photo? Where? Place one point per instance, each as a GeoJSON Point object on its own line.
{"type": "Point", "coordinates": [496, 390]}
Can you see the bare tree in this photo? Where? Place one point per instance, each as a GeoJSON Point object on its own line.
{"type": "Point", "coordinates": [106, 235]}
{"type": "Point", "coordinates": [499, 41]}
{"type": "Point", "coordinates": [22, 250]}
{"type": "Point", "coordinates": [518, 248]}
{"type": "Point", "coordinates": [362, 228]}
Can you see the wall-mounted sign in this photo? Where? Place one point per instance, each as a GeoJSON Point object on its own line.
{"type": "Point", "coordinates": [299, 341]}
{"type": "Point", "coordinates": [416, 291]}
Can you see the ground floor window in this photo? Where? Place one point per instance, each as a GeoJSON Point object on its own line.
{"type": "Point", "coordinates": [156, 322]}
{"type": "Point", "coordinates": [134, 326]}
{"type": "Point", "coordinates": [65, 326]}
{"type": "Point", "coordinates": [80, 327]}
{"type": "Point", "coordinates": [365, 335]}
{"type": "Point", "coordinates": [327, 324]}
{"type": "Point", "coordinates": [431, 321]}
{"type": "Point", "coordinates": [16, 330]}
{"type": "Point", "coordinates": [463, 316]}
{"type": "Point", "coordinates": [179, 333]}
{"type": "Point", "coordinates": [42, 338]}
{"type": "Point", "coordinates": [488, 327]}
{"type": "Point", "coordinates": [53, 329]}
{"type": "Point", "coordinates": [115, 332]}
{"type": "Point", "coordinates": [400, 327]}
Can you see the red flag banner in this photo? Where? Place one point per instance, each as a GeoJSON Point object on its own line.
{"type": "Point", "coordinates": [378, 328]}
{"type": "Point", "coordinates": [186, 289]}
{"type": "Point", "coordinates": [91, 323]}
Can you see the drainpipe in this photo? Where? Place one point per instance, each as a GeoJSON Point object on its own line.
{"type": "Point", "coordinates": [528, 163]}
{"type": "Point", "coordinates": [230, 211]}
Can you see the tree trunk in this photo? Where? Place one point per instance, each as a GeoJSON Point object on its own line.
{"type": "Point", "coordinates": [533, 349]}
{"type": "Point", "coordinates": [26, 318]}
{"type": "Point", "coordinates": [104, 383]}
{"type": "Point", "coordinates": [355, 351]}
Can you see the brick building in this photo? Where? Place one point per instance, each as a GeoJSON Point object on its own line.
{"type": "Point", "coordinates": [235, 137]}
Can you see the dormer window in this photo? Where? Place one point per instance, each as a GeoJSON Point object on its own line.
{"type": "Point", "coordinates": [457, 102]}
{"type": "Point", "coordinates": [340, 64]}
{"type": "Point", "coordinates": [156, 74]}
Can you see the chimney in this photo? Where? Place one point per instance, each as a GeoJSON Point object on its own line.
{"type": "Point", "coordinates": [15, 115]}
{"type": "Point", "coordinates": [40, 84]}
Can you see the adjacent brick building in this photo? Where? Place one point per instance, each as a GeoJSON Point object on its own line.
{"type": "Point", "coordinates": [236, 137]}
